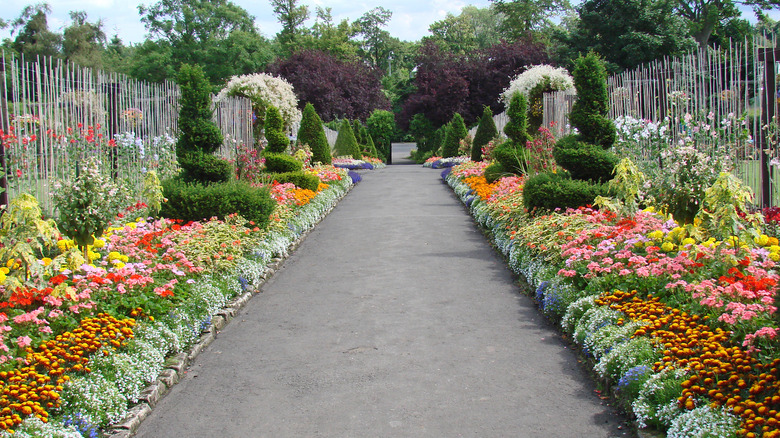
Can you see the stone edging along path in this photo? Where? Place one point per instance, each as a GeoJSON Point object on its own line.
{"type": "Point", "coordinates": [176, 366]}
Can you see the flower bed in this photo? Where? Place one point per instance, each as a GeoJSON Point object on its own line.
{"type": "Point", "coordinates": [366, 163]}
{"type": "Point", "coordinates": [81, 341]}
{"type": "Point", "coordinates": [681, 326]}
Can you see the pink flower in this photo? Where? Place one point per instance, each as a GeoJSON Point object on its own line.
{"type": "Point", "coordinates": [23, 341]}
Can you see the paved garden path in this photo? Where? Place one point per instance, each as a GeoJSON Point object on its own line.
{"type": "Point", "coordinates": [394, 318]}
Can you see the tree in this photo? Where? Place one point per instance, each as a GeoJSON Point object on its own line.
{"type": "Point", "coordinates": [312, 134]}
{"type": "Point", "coordinates": [486, 131]}
{"type": "Point", "coordinates": [628, 33]}
{"type": "Point", "coordinates": [521, 17]}
{"type": "Point", "coordinates": [292, 17]}
{"type": "Point", "coordinates": [325, 36]}
{"type": "Point", "coordinates": [346, 144]}
{"type": "Point", "coordinates": [35, 39]}
{"type": "Point", "coordinates": [374, 43]}
{"type": "Point", "coordinates": [204, 32]}
{"type": "Point", "coordinates": [381, 127]}
{"type": "Point", "coordinates": [336, 88]}
{"type": "Point", "coordinates": [83, 42]}
{"type": "Point", "coordinates": [456, 131]}
{"type": "Point", "coordinates": [474, 29]}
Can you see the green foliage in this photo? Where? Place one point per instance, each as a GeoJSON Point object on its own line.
{"type": "Point", "coordinates": [513, 158]}
{"type": "Point", "coordinates": [456, 131]}
{"type": "Point", "coordinates": [195, 201]}
{"type": "Point", "coordinates": [357, 129]}
{"type": "Point", "coordinates": [723, 202]}
{"type": "Point", "coordinates": [486, 131]}
{"type": "Point", "coordinates": [371, 148]}
{"type": "Point", "coordinates": [311, 133]}
{"type": "Point", "coordinates": [517, 127]}
{"type": "Point", "coordinates": [494, 172]}
{"type": "Point", "coordinates": [88, 204]}
{"type": "Point", "coordinates": [584, 161]}
{"type": "Point", "coordinates": [381, 127]}
{"type": "Point", "coordinates": [300, 179]}
{"type": "Point", "coordinates": [589, 113]}
{"type": "Point", "coordinates": [281, 163]}
{"type": "Point", "coordinates": [197, 131]}
{"type": "Point", "coordinates": [205, 168]}
{"type": "Point", "coordinates": [152, 193]}
{"type": "Point", "coordinates": [26, 235]}
{"type": "Point", "coordinates": [274, 131]}
{"type": "Point", "coordinates": [346, 143]}
{"type": "Point", "coordinates": [548, 191]}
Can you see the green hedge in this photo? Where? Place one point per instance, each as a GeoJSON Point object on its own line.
{"type": "Point", "coordinates": [281, 163]}
{"type": "Point", "coordinates": [194, 201]}
{"type": "Point", "coordinates": [301, 179]}
{"type": "Point", "coordinates": [548, 191]}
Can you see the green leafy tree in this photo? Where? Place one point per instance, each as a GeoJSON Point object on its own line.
{"type": "Point", "coordinates": [381, 127]}
{"type": "Point", "coordinates": [522, 17]}
{"type": "Point", "coordinates": [312, 133]}
{"type": "Point", "coordinates": [291, 16]}
{"type": "Point", "coordinates": [456, 132]}
{"type": "Point", "coordinates": [326, 36]}
{"type": "Point", "coordinates": [627, 33]}
{"type": "Point", "coordinates": [486, 131]}
{"type": "Point", "coordinates": [34, 38]}
{"type": "Point", "coordinates": [203, 32]}
{"type": "Point", "coordinates": [84, 42]}
{"type": "Point", "coordinates": [472, 30]}
{"type": "Point", "coordinates": [374, 46]}
{"type": "Point", "coordinates": [199, 137]}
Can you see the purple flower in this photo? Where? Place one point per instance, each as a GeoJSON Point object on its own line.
{"type": "Point", "coordinates": [356, 178]}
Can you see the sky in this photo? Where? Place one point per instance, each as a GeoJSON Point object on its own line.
{"type": "Point", "coordinates": [410, 20]}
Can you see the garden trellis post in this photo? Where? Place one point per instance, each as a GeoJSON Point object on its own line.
{"type": "Point", "coordinates": [768, 101]}
{"type": "Point", "coordinates": [4, 125]}
{"type": "Point", "coordinates": [112, 90]}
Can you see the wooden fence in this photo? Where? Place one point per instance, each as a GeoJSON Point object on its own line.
{"type": "Point", "coordinates": [723, 101]}
{"type": "Point", "coordinates": [60, 113]}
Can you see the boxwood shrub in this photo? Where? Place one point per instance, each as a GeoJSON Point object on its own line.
{"type": "Point", "coordinates": [195, 201]}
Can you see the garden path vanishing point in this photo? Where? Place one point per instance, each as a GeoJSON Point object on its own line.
{"type": "Point", "coordinates": [394, 318]}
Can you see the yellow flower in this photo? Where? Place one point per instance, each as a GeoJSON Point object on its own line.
{"type": "Point", "coordinates": [650, 210]}
{"type": "Point", "coordinates": [667, 246]}
{"type": "Point", "coordinates": [46, 261]}
{"type": "Point", "coordinates": [773, 241]}
{"type": "Point", "coordinates": [761, 240]}
{"type": "Point", "coordinates": [10, 263]}
{"type": "Point", "coordinates": [774, 256]}
{"type": "Point", "coordinates": [774, 248]}
{"type": "Point", "coordinates": [656, 235]}
{"type": "Point", "coordinates": [639, 244]}
{"type": "Point", "coordinates": [2, 277]}
{"type": "Point", "coordinates": [5, 270]}
{"type": "Point", "coordinates": [689, 241]}
{"type": "Point", "coordinates": [99, 243]}
{"type": "Point", "coordinates": [119, 265]}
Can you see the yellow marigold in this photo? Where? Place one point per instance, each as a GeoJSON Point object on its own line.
{"type": "Point", "coordinates": [667, 246]}
{"type": "Point", "coordinates": [99, 243]}
{"type": "Point", "coordinates": [656, 235]}
{"type": "Point", "coordinates": [689, 241]}
{"type": "Point", "coordinates": [303, 196]}
{"type": "Point", "coordinates": [322, 187]}
{"type": "Point", "coordinates": [762, 240]}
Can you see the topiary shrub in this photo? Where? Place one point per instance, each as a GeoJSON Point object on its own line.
{"type": "Point", "coordinates": [195, 201]}
{"type": "Point", "coordinates": [281, 163]}
{"type": "Point", "coordinates": [312, 134]}
{"type": "Point", "coordinates": [511, 155]}
{"type": "Point", "coordinates": [300, 179]}
{"type": "Point", "coordinates": [486, 131]}
{"type": "Point", "coordinates": [274, 131]}
{"type": "Point", "coordinates": [346, 143]}
{"type": "Point", "coordinates": [456, 131]}
{"type": "Point", "coordinates": [584, 155]}
{"type": "Point", "coordinates": [198, 137]}
{"type": "Point", "coordinates": [548, 191]}
{"type": "Point", "coordinates": [204, 168]}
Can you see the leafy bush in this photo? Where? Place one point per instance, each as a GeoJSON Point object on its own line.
{"type": "Point", "coordinates": [584, 161]}
{"type": "Point", "coordinates": [548, 191]}
{"type": "Point", "coordinates": [300, 179]}
{"type": "Point", "coordinates": [517, 127]}
{"type": "Point", "coordinates": [205, 168]}
{"type": "Point", "coordinates": [281, 163]}
{"type": "Point", "coordinates": [194, 201]}
{"type": "Point", "coordinates": [486, 131]}
{"type": "Point", "coordinates": [494, 172]}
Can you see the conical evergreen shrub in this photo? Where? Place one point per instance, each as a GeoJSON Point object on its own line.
{"type": "Point", "coordinates": [456, 132]}
{"type": "Point", "coordinates": [346, 143]}
{"type": "Point", "coordinates": [312, 134]}
{"type": "Point", "coordinates": [511, 155]}
{"type": "Point", "coordinates": [486, 131]}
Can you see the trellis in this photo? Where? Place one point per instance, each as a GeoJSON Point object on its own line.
{"type": "Point", "coordinates": [48, 103]}
{"type": "Point", "coordinates": [731, 90]}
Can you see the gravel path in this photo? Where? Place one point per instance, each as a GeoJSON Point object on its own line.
{"type": "Point", "coordinates": [394, 318]}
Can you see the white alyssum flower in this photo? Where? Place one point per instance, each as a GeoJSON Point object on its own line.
{"type": "Point", "coordinates": [556, 78]}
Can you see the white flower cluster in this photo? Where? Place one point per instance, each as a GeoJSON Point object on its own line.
{"type": "Point", "coordinates": [97, 399]}
{"type": "Point", "coordinates": [705, 422]}
{"type": "Point", "coordinates": [625, 356]}
{"type": "Point", "coordinates": [264, 90]}
{"type": "Point", "coordinates": [32, 427]}
{"type": "Point", "coordinates": [554, 78]}
{"type": "Point", "coordinates": [657, 400]}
